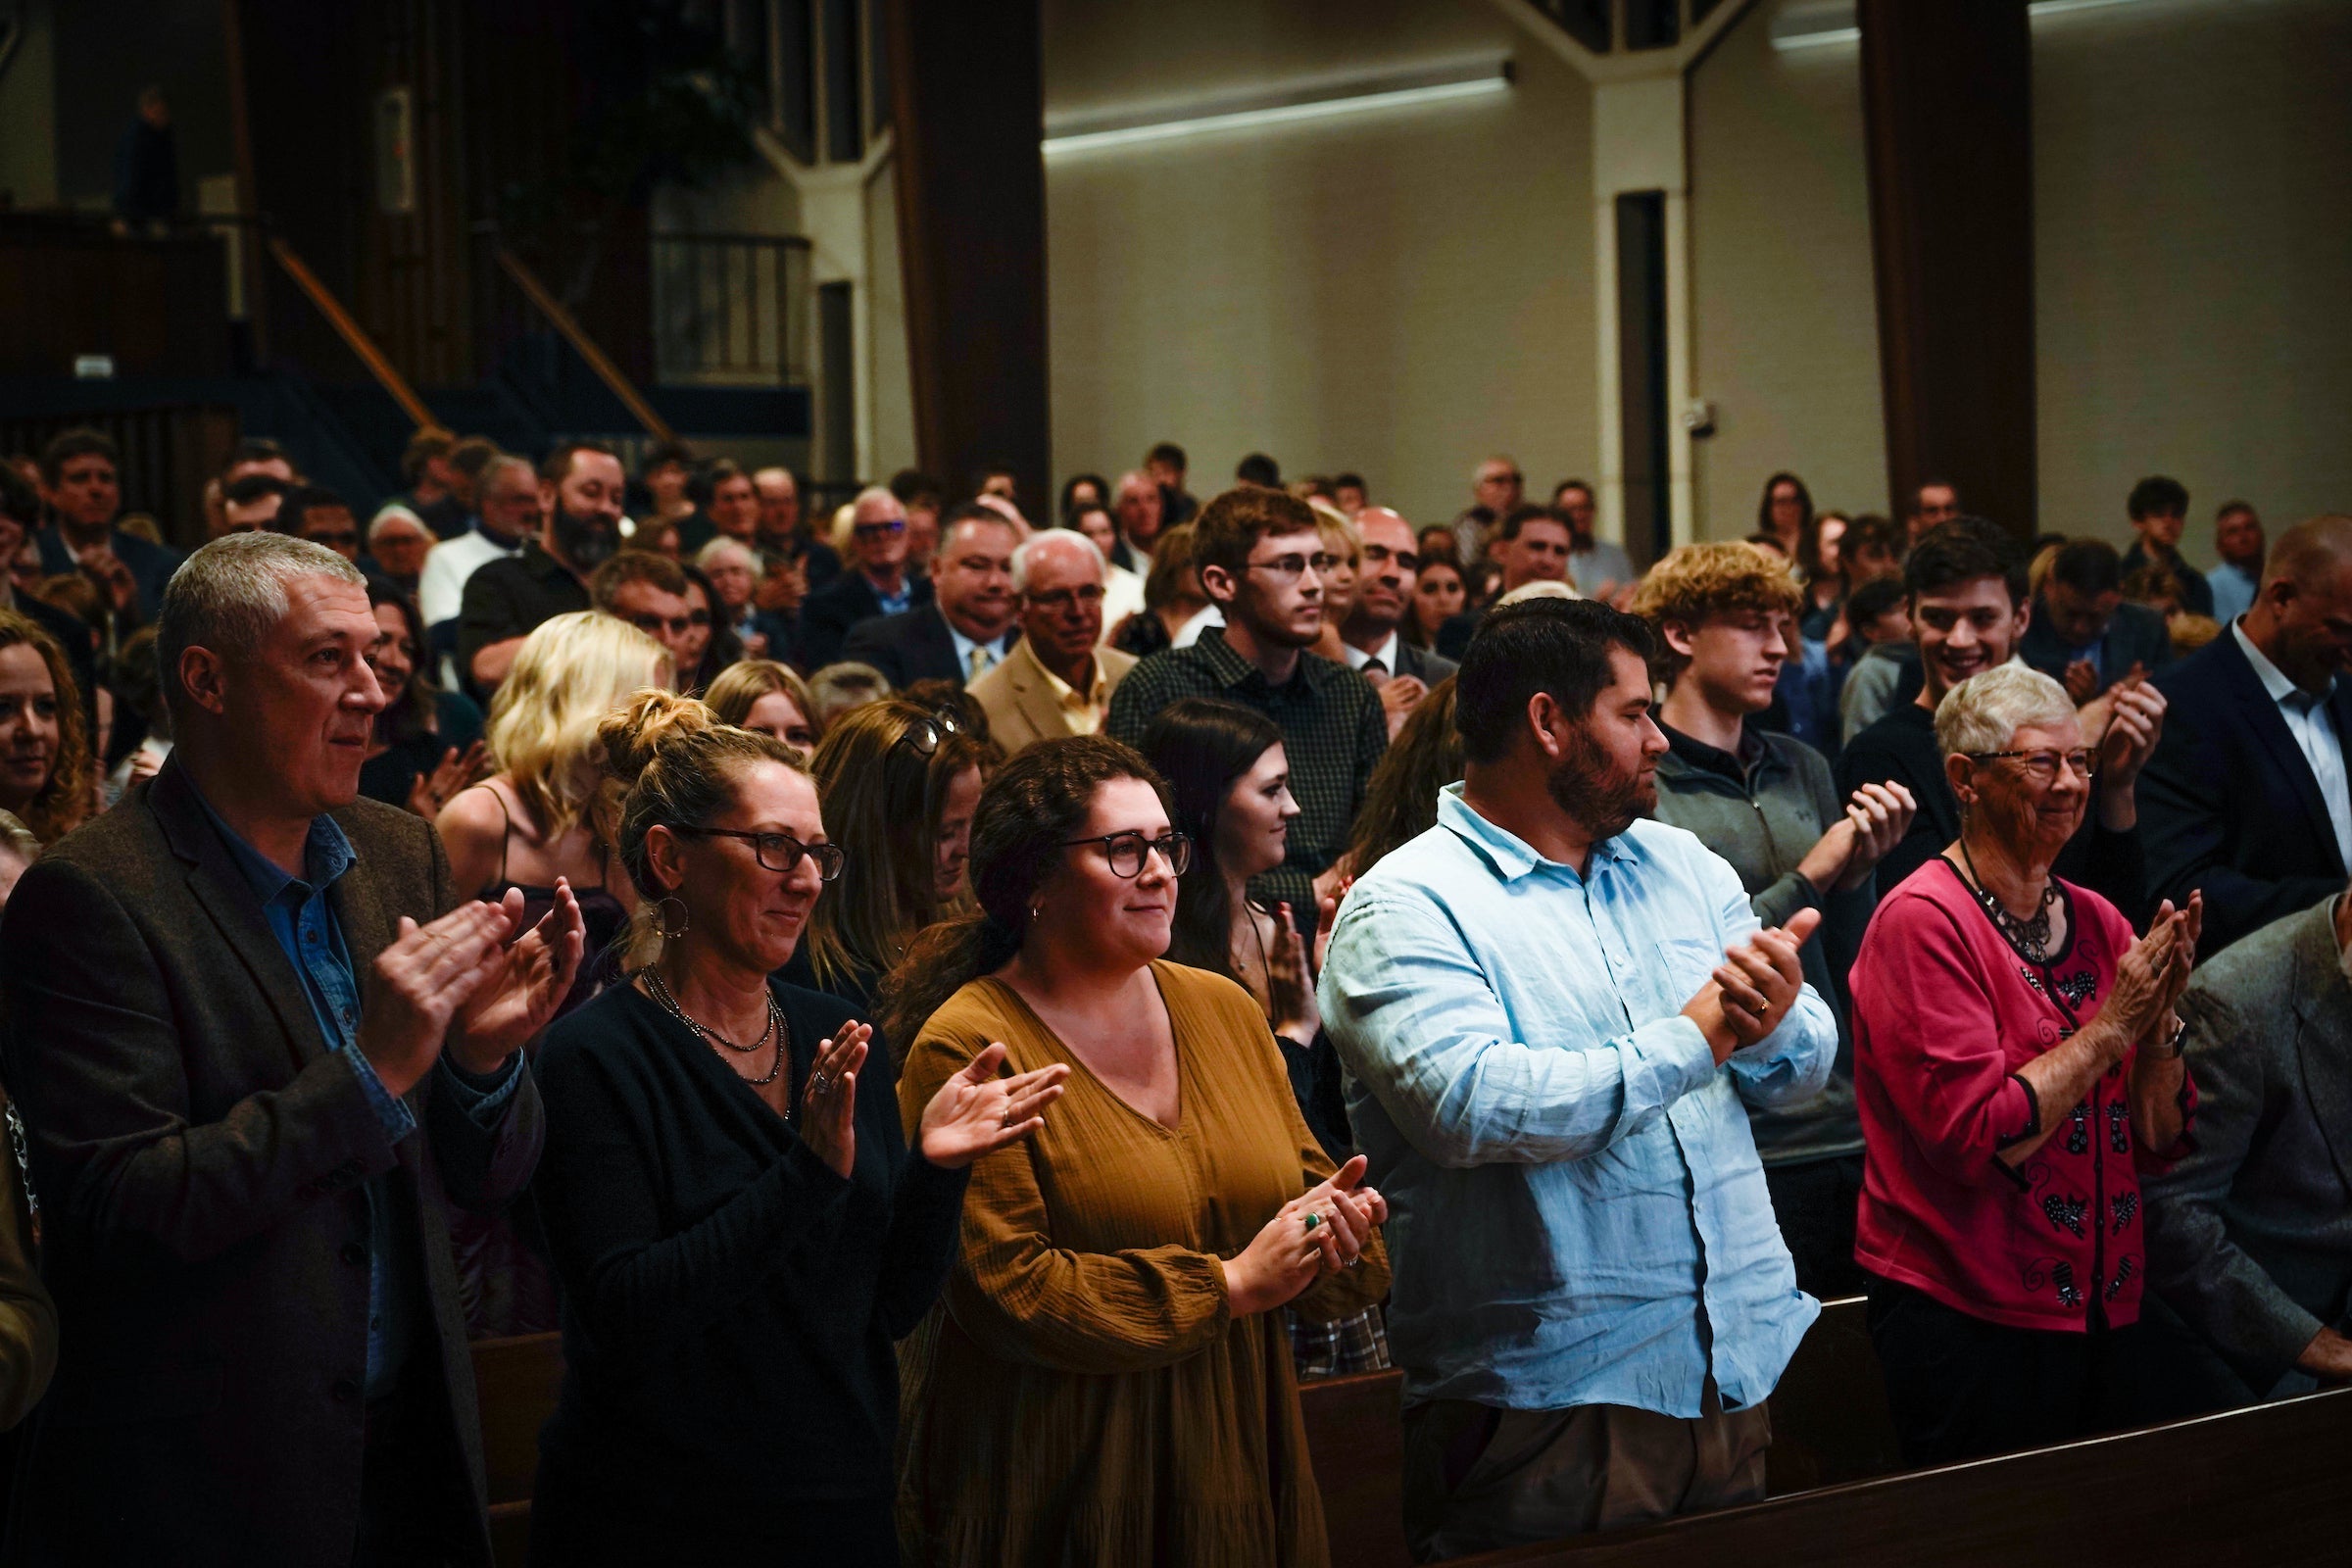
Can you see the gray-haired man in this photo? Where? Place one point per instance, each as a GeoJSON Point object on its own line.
{"type": "Point", "coordinates": [252, 1079]}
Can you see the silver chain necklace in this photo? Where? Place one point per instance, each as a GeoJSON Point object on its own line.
{"type": "Point", "coordinates": [777, 1030]}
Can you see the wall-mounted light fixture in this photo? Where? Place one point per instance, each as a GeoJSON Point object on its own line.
{"type": "Point", "coordinates": [1319, 98]}
{"type": "Point", "coordinates": [1827, 23]}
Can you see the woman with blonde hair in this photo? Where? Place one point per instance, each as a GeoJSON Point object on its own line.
{"type": "Point", "coordinates": [772, 699]}
{"type": "Point", "coordinates": [899, 783]}
{"type": "Point", "coordinates": [540, 817]}
{"type": "Point", "coordinates": [742, 1227]}
{"type": "Point", "coordinates": [1346, 547]}
{"type": "Point", "coordinates": [45, 772]}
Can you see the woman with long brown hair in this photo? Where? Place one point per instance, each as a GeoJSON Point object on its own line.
{"type": "Point", "coordinates": [45, 772]}
{"type": "Point", "coordinates": [1228, 777]}
{"type": "Point", "coordinates": [899, 782]}
{"type": "Point", "coordinates": [1108, 1381]}
{"type": "Point", "coordinates": [1401, 804]}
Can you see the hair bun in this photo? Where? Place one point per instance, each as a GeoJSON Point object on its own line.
{"type": "Point", "coordinates": [633, 737]}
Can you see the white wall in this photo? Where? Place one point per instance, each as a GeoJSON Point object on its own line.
{"type": "Point", "coordinates": [1398, 292]}
{"type": "Point", "coordinates": [1785, 334]}
{"type": "Point", "coordinates": [2193, 240]}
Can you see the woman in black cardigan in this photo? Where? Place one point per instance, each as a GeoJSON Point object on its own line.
{"type": "Point", "coordinates": [740, 1232]}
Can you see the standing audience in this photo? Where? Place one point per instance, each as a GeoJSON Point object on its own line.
{"type": "Point", "coordinates": [1261, 560]}
{"type": "Point", "coordinates": [244, 1155]}
{"type": "Point", "coordinates": [1764, 801]}
{"type": "Point", "coordinates": [2247, 796]}
{"type": "Point", "coordinates": [503, 601]}
{"type": "Point", "coordinates": [509, 495]}
{"type": "Point", "coordinates": [2159, 510]}
{"type": "Point", "coordinates": [1374, 643]}
{"type": "Point", "coordinates": [740, 1228]}
{"type": "Point", "coordinates": [1552, 1014]}
{"type": "Point", "coordinates": [1108, 1381]}
{"type": "Point", "coordinates": [966, 627]}
{"type": "Point", "coordinates": [2018, 1066]}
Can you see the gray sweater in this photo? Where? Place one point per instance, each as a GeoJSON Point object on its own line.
{"type": "Point", "coordinates": [1762, 812]}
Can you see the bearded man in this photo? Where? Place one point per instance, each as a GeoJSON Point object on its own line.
{"type": "Point", "coordinates": [1554, 1014]}
{"type": "Point", "coordinates": [580, 487]}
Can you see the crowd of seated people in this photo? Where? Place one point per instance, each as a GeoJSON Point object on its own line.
{"type": "Point", "coordinates": [955, 1007]}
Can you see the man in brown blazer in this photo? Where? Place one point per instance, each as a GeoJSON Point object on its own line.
{"type": "Point", "coordinates": [252, 1079]}
{"type": "Point", "coordinates": [1055, 680]}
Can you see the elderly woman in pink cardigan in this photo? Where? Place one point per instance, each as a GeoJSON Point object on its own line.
{"type": "Point", "coordinates": [2017, 1063]}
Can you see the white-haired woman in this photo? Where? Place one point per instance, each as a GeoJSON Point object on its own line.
{"type": "Point", "coordinates": [2017, 1065]}
{"type": "Point", "coordinates": [534, 820]}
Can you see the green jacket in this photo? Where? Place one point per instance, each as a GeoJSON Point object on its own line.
{"type": "Point", "coordinates": [1763, 823]}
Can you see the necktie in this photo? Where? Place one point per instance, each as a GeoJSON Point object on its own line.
{"type": "Point", "coordinates": [1374, 667]}
{"type": "Point", "coordinates": [980, 662]}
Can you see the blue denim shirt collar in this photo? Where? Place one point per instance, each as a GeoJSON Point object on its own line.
{"type": "Point", "coordinates": [327, 855]}
{"type": "Point", "coordinates": [1511, 855]}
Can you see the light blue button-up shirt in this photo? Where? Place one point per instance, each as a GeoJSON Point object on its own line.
{"type": "Point", "coordinates": [1577, 1212]}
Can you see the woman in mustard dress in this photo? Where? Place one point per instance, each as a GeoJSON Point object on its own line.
{"type": "Point", "coordinates": [1109, 1381]}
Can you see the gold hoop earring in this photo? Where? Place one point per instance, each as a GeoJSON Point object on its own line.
{"type": "Point", "coordinates": [662, 925]}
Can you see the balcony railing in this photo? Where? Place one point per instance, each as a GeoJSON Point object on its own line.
{"type": "Point", "coordinates": [731, 310]}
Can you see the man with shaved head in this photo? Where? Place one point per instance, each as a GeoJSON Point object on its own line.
{"type": "Point", "coordinates": [2247, 796]}
{"type": "Point", "coordinates": [1384, 594]}
{"type": "Point", "coordinates": [1056, 681]}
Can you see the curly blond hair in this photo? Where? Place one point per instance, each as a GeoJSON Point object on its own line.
{"type": "Point", "coordinates": [1695, 581]}
{"type": "Point", "coordinates": [571, 673]}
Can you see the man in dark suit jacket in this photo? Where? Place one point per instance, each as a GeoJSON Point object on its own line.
{"type": "Point", "coordinates": [968, 629]}
{"type": "Point", "coordinates": [878, 581]}
{"type": "Point", "coordinates": [252, 1081]}
{"type": "Point", "coordinates": [2250, 1233]}
{"type": "Point", "coordinates": [1384, 594]}
{"type": "Point", "coordinates": [2082, 634]}
{"type": "Point", "coordinates": [2246, 795]}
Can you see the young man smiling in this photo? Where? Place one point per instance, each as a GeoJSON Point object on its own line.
{"type": "Point", "coordinates": [1764, 801]}
{"type": "Point", "coordinates": [1967, 586]}
{"type": "Point", "coordinates": [1262, 562]}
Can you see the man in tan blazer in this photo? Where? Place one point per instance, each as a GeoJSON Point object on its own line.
{"type": "Point", "coordinates": [1056, 681]}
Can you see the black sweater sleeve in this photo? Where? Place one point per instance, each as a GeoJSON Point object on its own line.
{"type": "Point", "coordinates": [924, 1227]}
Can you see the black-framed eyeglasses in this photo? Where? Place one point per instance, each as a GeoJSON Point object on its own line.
{"type": "Point", "coordinates": [927, 735]}
{"type": "Point", "coordinates": [880, 531]}
{"type": "Point", "coordinates": [781, 851]}
{"type": "Point", "coordinates": [2041, 765]}
{"type": "Point", "coordinates": [1288, 567]}
{"type": "Point", "coordinates": [1127, 851]}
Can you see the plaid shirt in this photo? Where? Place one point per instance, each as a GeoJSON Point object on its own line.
{"type": "Point", "coordinates": [1332, 730]}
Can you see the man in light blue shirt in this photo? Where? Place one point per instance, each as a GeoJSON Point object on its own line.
{"type": "Point", "coordinates": [1552, 1014]}
{"type": "Point", "coordinates": [2237, 540]}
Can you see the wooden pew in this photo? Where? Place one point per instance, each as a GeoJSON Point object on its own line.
{"type": "Point", "coordinates": [1829, 1425]}
{"type": "Point", "coordinates": [1355, 1439]}
{"type": "Point", "coordinates": [2264, 1485]}
{"type": "Point", "coordinates": [1830, 1421]}
{"type": "Point", "coordinates": [516, 1381]}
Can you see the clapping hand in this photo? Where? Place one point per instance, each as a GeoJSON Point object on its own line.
{"type": "Point", "coordinates": [1880, 814]}
{"type": "Point", "coordinates": [1351, 1212]}
{"type": "Point", "coordinates": [1320, 1232]}
{"type": "Point", "coordinates": [1752, 990]}
{"type": "Point", "coordinates": [2134, 724]}
{"type": "Point", "coordinates": [524, 982]}
{"type": "Point", "coordinates": [976, 1113]}
{"type": "Point", "coordinates": [829, 1098]}
{"type": "Point", "coordinates": [419, 985]}
{"type": "Point", "coordinates": [457, 769]}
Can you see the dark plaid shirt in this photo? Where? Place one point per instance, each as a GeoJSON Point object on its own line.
{"type": "Point", "coordinates": [1332, 732]}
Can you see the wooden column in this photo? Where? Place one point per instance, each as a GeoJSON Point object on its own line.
{"type": "Point", "coordinates": [967, 103]}
{"type": "Point", "coordinates": [1947, 108]}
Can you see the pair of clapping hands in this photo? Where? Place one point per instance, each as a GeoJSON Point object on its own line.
{"type": "Point", "coordinates": [1320, 1232]}
{"type": "Point", "coordinates": [1752, 990]}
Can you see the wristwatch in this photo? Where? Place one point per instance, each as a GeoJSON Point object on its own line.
{"type": "Point", "coordinates": [2171, 1048]}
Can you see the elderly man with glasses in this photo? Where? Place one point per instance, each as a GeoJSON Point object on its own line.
{"type": "Point", "coordinates": [1056, 681]}
{"type": "Point", "coordinates": [1262, 562]}
{"type": "Point", "coordinates": [878, 580]}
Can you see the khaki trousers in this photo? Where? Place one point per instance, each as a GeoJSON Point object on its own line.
{"type": "Point", "coordinates": [1477, 1478]}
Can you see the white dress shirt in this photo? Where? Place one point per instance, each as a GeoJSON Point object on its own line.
{"type": "Point", "coordinates": [2314, 729]}
{"type": "Point", "coordinates": [1386, 652]}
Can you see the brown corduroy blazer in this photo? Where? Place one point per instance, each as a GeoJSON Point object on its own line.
{"type": "Point", "coordinates": [201, 1157]}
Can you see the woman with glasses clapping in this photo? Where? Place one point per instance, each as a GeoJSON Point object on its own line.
{"type": "Point", "coordinates": [740, 1228]}
{"type": "Point", "coordinates": [2017, 1065]}
{"type": "Point", "coordinates": [1109, 1380]}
